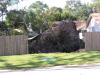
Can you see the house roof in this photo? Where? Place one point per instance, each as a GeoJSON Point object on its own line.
{"type": "Point", "coordinates": [80, 24]}
{"type": "Point", "coordinates": [95, 16]}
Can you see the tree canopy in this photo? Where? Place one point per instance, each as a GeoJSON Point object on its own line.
{"type": "Point", "coordinates": [41, 16]}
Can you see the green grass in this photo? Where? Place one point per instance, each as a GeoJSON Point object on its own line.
{"type": "Point", "coordinates": [46, 60]}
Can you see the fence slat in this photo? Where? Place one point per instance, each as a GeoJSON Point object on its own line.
{"type": "Point", "coordinates": [92, 41]}
{"type": "Point", "coordinates": [12, 45]}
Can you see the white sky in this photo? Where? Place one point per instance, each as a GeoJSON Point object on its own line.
{"type": "Point", "coordinates": [50, 3]}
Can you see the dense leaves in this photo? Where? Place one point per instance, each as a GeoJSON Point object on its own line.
{"type": "Point", "coordinates": [96, 5]}
{"type": "Point", "coordinates": [41, 17]}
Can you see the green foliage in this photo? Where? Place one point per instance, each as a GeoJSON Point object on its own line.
{"type": "Point", "coordinates": [15, 18]}
{"type": "Point", "coordinates": [12, 16]}
{"type": "Point", "coordinates": [54, 14]}
{"type": "Point", "coordinates": [96, 5]}
{"type": "Point", "coordinates": [38, 7]}
{"type": "Point", "coordinates": [67, 15]}
{"type": "Point", "coordinates": [37, 14]}
{"type": "Point", "coordinates": [9, 2]}
{"type": "Point", "coordinates": [41, 16]}
{"type": "Point", "coordinates": [83, 12]}
{"type": "Point", "coordinates": [5, 3]}
{"type": "Point", "coordinates": [77, 9]}
{"type": "Point", "coordinates": [72, 4]}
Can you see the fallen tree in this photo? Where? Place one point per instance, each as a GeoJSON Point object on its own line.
{"type": "Point", "coordinates": [61, 37]}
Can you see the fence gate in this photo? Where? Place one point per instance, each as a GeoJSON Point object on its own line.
{"type": "Point", "coordinates": [13, 45]}
{"type": "Point", "coordinates": [92, 41]}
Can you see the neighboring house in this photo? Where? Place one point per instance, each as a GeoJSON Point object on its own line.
{"type": "Point", "coordinates": [93, 23]}
{"type": "Point", "coordinates": [92, 38]}
{"type": "Point", "coordinates": [81, 27]}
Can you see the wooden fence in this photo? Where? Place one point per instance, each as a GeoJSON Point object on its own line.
{"type": "Point", "coordinates": [92, 41]}
{"type": "Point", "coordinates": [12, 45]}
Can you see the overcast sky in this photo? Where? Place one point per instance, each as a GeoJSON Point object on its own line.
{"type": "Point", "coordinates": [50, 3]}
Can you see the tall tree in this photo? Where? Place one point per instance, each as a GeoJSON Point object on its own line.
{"type": "Point", "coordinates": [14, 20]}
{"type": "Point", "coordinates": [54, 14]}
{"type": "Point", "coordinates": [39, 8]}
{"type": "Point", "coordinates": [77, 9]}
{"type": "Point", "coordinates": [96, 5]}
{"type": "Point", "coordinates": [4, 4]}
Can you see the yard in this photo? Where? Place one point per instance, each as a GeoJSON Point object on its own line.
{"type": "Point", "coordinates": [46, 60]}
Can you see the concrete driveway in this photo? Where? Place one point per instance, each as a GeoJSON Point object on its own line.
{"type": "Point", "coordinates": [58, 70]}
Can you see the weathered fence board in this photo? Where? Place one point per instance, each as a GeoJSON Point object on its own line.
{"type": "Point", "coordinates": [92, 41]}
{"type": "Point", "coordinates": [12, 45]}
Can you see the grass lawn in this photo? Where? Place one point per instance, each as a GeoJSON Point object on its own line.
{"type": "Point", "coordinates": [46, 60]}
